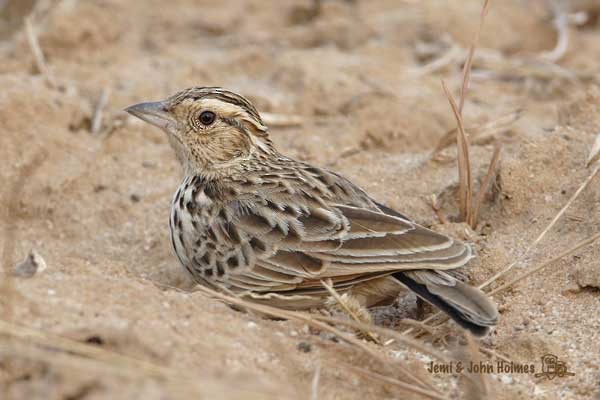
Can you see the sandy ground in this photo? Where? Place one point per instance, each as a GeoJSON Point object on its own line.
{"type": "Point", "coordinates": [364, 77]}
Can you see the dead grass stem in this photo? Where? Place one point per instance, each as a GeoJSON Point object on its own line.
{"type": "Point", "coordinates": [594, 155]}
{"type": "Point", "coordinates": [351, 309]}
{"type": "Point", "coordinates": [96, 124]}
{"type": "Point", "coordinates": [465, 175]}
{"type": "Point", "coordinates": [436, 205]}
{"type": "Point", "coordinates": [465, 178]}
{"type": "Point", "coordinates": [561, 24]}
{"type": "Point", "coordinates": [469, 63]}
{"type": "Point", "coordinates": [476, 385]}
{"type": "Point", "coordinates": [314, 386]}
{"type": "Point", "coordinates": [395, 382]}
{"type": "Point", "coordinates": [482, 134]}
{"type": "Point", "coordinates": [38, 54]}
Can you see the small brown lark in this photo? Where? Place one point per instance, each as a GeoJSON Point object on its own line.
{"type": "Point", "coordinates": [271, 228]}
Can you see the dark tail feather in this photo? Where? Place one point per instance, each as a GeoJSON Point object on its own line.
{"type": "Point", "coordinates": [454, 311]}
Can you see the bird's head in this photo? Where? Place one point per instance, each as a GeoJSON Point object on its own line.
{"type": "Point", "coordinates": [211, 129]}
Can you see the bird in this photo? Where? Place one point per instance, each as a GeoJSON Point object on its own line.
{"type": "Point", "coordinates": [271, 229]}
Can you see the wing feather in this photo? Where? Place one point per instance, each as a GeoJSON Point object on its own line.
{"type": "Point", "coordinates": [289, 237]}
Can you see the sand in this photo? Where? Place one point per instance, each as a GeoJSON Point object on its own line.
{"type": "Point", "coordinates": [359, 76]}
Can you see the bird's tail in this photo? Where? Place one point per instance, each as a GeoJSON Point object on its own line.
{"type": "Point", "coordinates": [467, 305]}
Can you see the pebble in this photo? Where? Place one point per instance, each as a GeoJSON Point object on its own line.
{"type": "Point", "coordinates": [304, 347]}
{"type": "Point", "coordinates": [33, 264]}
{"type": "Point", "coordinates": [588, 276]}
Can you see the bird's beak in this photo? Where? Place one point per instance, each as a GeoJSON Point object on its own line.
{"type": "Point", "coordinates": [154, 113]}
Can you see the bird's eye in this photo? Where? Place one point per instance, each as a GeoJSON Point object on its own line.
{"type": "Point", "coordinates": [207, 117]}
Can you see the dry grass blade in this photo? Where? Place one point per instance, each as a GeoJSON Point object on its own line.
{"type": "Point", "coordinates": [394, 382]}
{"type": "Point", "coordinates": [482, 134]}
{"type": "Point", "coordinates": [565, 253]}
{"type": "Point", "coordinates": [415, 344]}
{"type": "Point", "coordinates": [419, 325]}
{"type": "Point", "coordinates": [469, 63]}
{"type": "Point", "coordinates": [594, 155]}
{"type": "Point", "coordinates": [314, 386]}
{"type": "Point", "coordinates": [491, 353]}
{"type": "Point", "coordinates": [425, 321]}
{"type": "Point", "coordinates": [561, 23]}
{"type": "Point", "coordinates": [465, 178]}
{"type": "Point", "coordinates": [38, 55]}
{"type": "Point", "coordinates": [454, 54]}
{"type": "Point", "coordinates": [96, 125]}
{"type": "Point", "coordinates": [466, 78]}
{"type": "Point", "coordinates": [476, 385]}
{"type": "Point", "coordinates": [487, 183]}
{"type": "Point", "coordinates": [491, 130]}
{"type": "Point", "coordinates": [351, 311]}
